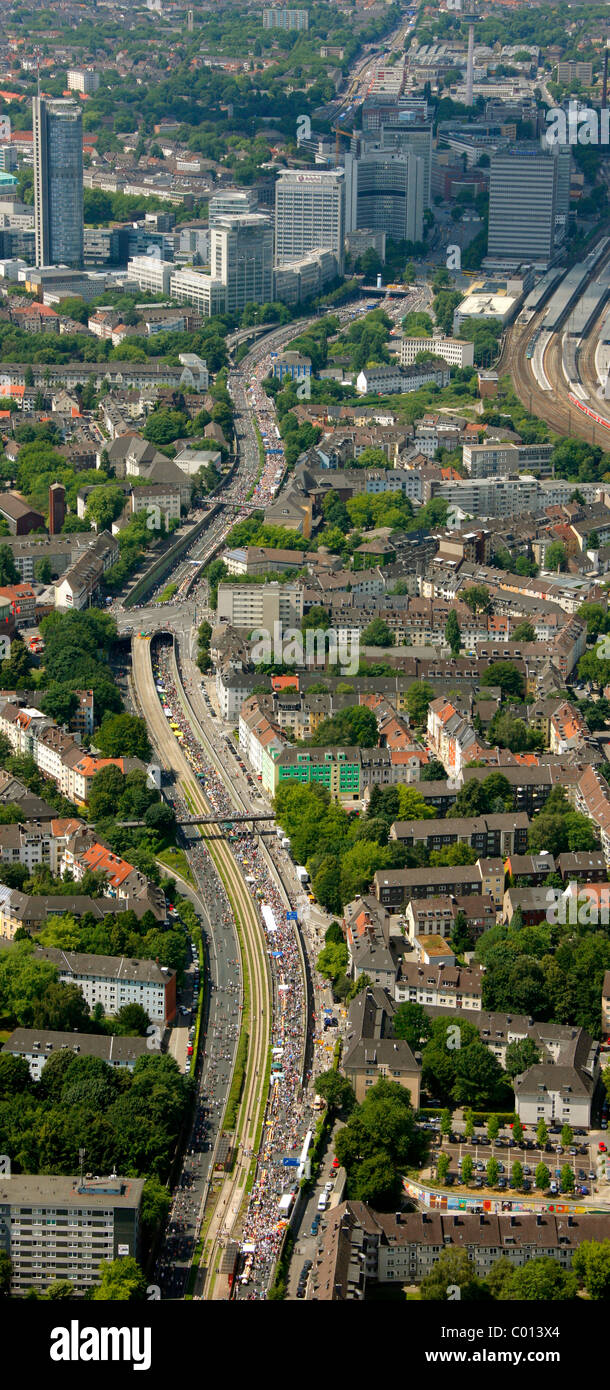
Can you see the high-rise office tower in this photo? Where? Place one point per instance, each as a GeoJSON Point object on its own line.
{"type": "Point", "coordinates": [522, 206]}
{"type": "Point", "coordinates": [384, 191]}
{"type": "Point", "coordinates": [241, 255]}
{"type": "Point", "coordinates": [415, 139]}
{"type": "Point", "coordinates": [309, 214]}
{"type": "Point", "coordinates": [58, 182]}
{"type": "Point", "coordinates": [563, 156]}
{"type": "Point", "coordinates": [231, 202]}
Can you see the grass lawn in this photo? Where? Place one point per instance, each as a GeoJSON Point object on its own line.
{"type": "Point", "coordinates": [176, 861]}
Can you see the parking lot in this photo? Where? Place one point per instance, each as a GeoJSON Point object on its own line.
{"type": "Point", "coordinates": [584, 1156]}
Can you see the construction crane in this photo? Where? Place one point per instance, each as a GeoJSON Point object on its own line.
{"type": "Point", "coordinates": [340, 131]}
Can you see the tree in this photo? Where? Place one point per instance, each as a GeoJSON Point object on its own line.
{"type": "Point", "coordinates": [15, 670]}
{"type": "Point", "coordinates": [492, 1171]}
{"type": "Point", "coordinates": [462, 934]}
{"type": "Point", "coordinates": [377, 1183]}
{"type": "Point", "coordinates": [567, 1136]}
{"type": "Point", "coordinates": [377, 634]}
{"type": "Point", "coordinates": [5, 1274]}
{"type": "Point", "coordinates": [467, 1168]}
{"type": "Point", "coordinates": [156, 1203]}
{"type": "Point", "coordinates": [43, 573]}
{"type": "Point", "coordinates": [332, 961]}
{"type": "Point", "coordinates": [566, 1181]}
{"type": "Point", "coordinates": [507, 676]}
{"type": "Point", "coordinates": [517, 1130]}
{"type": "Point", "coordinates": [133, 1020]}
{"type": "Point", "coordinates": [359, 866]}
{"type": "Point", "coordinates": [104, 505]}
{"type": "Point", "coordinates": [478, 1076]}
{"type": "Point", "coordinates": [453, 635]}
{"type": "Point", "coordinates": [442, 1167]}
{"type": "Point", "coordinates": [382, 1126]}
{"type": "Point", "coordinates": [14, 1076]}
{"type": "Point", "coordinates": [122, 736]}
{"type": "Point", "coordinates": [477, 597]}
{"type": "Point", "coordinates": [540, 1279]}
{"type": "Point", "coordinates": [412, 1023]}
{"type": "Point", "coordinates": [542, 1177]}
{"type": "Point", "coordinates": [432, 771]}
{"type": "Point", "coordinates": [493, 1128]}
{"type": "Point", "coordinates": [121, 1280]}
{"type": "Point", "coordinates": [336, 1090]}
{"type": "Point", "coordinates": [468, 1124]}
{"type": "Point", "coordinates": [516, 1174]}
{"type": "Point", "coordinates": [9, 574]}
{"type": "Point", "coordinates": [519, 1056]}
{"type": "Point", "coordinates": [419, 695]}
{"type": "Point", "coordinates": [105, 793]}
{"type": "Point", "coordinates": [453, 1269]}
{"type": "Point", "coordinates": [446, 1123]}
{"type": "Point", "coordinates": [161, 819]}
{"type": "Point", "coordinates": [591, 1264]}
{"type": "Point", "coordinates": [59, 703]}
{"type": "Point", "coordinates": [556, 557]}
{"type": "Point", "coordinates": [542, 1132]}
{"type": "Point", "coordinates": [524, 632]}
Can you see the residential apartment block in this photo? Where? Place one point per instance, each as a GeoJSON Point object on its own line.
{"type": "Point", "coordinates": [114, 981]}
{"type": "Point", "coordinates": [61, 1228]}
{"type": "Point", "coordinates": [36, 1045]}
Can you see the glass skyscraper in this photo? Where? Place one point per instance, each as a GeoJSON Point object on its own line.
{"type": "Point", "coordinates": [58, 182]}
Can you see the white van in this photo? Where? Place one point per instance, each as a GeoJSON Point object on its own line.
{"type": "Point", "coordinates": [323, 1201]}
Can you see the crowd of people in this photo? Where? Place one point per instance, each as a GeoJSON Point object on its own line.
{"type": "Point", "coordinates": [289, 1107]}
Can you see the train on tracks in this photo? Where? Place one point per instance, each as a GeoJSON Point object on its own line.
{"type": "Point", "coordinates": [598, 419]}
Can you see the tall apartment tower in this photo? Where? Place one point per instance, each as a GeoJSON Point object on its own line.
{"type": "Point", "coordinates": [57, 508]}
{"type": "Point", "coordinates": [241, 255]}
{"type": "Point", "coordinates": [309, 214]}
{"type": "Point", "coordinates": [58, 182]}
{"type": "Point", "coordinates": [523, 206]}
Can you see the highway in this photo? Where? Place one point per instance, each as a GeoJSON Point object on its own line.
{"type": "Point", "coordinates": [256, 1010]}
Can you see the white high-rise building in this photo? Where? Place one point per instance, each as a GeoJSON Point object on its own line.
{"type": "Point", "coordinates": [309, 214]}
{"type": "Point", "coordinates": [85, 80]}
{"type": "Point", "coordinates": [231, 202]}
{"type": "Point", "coordinates": [241, 255]}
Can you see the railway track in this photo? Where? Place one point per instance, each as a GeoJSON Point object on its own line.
{"type": "Point", "coordinates": [255, 970]}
